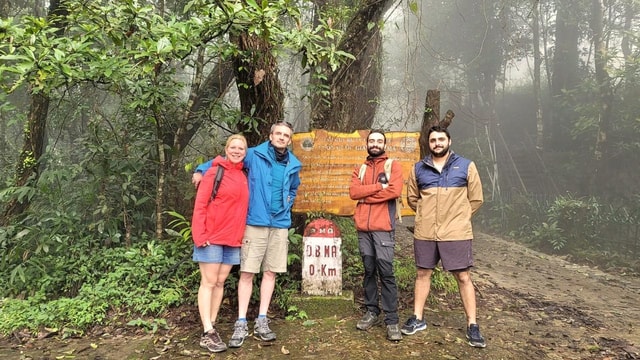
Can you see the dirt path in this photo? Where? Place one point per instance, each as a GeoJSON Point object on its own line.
{"type": "Point", "coordinates": [530, 306]}
{"type": "Point", "coordinates": [612, 301]}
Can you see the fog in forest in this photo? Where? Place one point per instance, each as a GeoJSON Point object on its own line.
{"type": "Point", "coordinates": [555, 134]}
{"type": "Point", "coordinates": [107, 107]}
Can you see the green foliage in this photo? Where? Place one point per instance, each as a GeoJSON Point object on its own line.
{"type": "Point", "coordinates": [579, 219]}
{"type": "Point", "coordinates": [405, 271]}
{"type": "Point", "coordinates": [549, 233]}
{"type": "Point", "coordinates": [288, 283]}
{"type": "Point", "coordinates": [295, 241]}
{"type": "Point", "coordinates": [151, 326]}
{"type": "Point", "coordinates": [69, 315]}
{"type": "Point", "coordinates": [144, 279]}
{"type": "Point", "coordinates": [352, 267]}
{"type": "Point", "coordinates": [443, 281]}
{"type": "Point", "coordinates": [565, 225]}
{"type": "Point", "coordinates": [182, 224]}
{"type": "Point", "coordinates": [294, 313]}
{"type": "Point", "coordinates": [126, 43]}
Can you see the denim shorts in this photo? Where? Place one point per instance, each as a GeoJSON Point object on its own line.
{"type": "Point", "coordinates": [218, 254]}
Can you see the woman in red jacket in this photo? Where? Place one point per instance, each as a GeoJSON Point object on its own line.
{"type": "Point", "coordinates": [217, 228]}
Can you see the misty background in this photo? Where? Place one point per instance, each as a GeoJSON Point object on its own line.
{"type": "Point", "coordinates": [107, 107]}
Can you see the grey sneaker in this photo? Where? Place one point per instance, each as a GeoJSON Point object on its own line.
{"type": "Point", "coordinates": [211, 341]}
{"type": "Point", "coordinates": [240, 332]}
{"type": "Point", "coordinates": [368, 321]}
{"type": "Point", "coordinates": [393, 332]}
{"type": "Point", "coordinates": [474, 336]}
{"type": "Point", "coordinates": [261, 330]}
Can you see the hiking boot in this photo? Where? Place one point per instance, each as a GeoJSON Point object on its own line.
{"type": "Point", "coordinates": [240, 332]}
{"type": "Point", "coordinates": [211, 341]}
{"type": "Point", "coordinates": [261, 330]}
{"type": "Point", "coordinates": [474, 337]}
{"type": "Point", "coordinates": [368, 320]}
{"type": "Point", "coordinates": [413, 325]}
{"type": "Point", "coordinates": [393, 332]}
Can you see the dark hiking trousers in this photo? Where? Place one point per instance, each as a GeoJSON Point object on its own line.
{"type": "Point", "coordinates": [376, 249]}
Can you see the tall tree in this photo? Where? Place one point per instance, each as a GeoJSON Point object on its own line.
{"type": "Point", "coordinates": [28, 167]}
{"type": "Point", "coordinates": [565, 72]}
{"type": "Point", "coordinates": [604, 98]}
{"type": "Point", "coordinates": [537, 62]}
{"type": "Point", "coordinates": [261, 95]}
{"type": "Point", "coordinates": [350, 99]}
{"type": "Point", "coordinates": [203, 94]}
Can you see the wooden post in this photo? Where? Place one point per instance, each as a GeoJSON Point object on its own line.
{"type": "Point", "coordinates": [431, 117]}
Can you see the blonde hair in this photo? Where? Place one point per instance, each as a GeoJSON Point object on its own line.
{"type": "Point", "coordinates": [236, 137]}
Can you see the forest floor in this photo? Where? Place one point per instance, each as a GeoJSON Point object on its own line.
{"type": "Point", "coordinates": [530, 305]}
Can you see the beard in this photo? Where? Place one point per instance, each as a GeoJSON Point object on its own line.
{"type": "Point", "coordinates": [442, 152]}
{"type": "Point", "coordinates": [375, 151]}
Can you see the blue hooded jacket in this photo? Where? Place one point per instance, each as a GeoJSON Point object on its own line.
{"type": "Point", "coordinates": [259, 161]}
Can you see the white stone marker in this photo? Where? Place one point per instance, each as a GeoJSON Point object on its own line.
{"type": "Point", "coordinates": [322, 259]}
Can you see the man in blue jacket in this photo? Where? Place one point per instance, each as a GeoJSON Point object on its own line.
{"type": "Point", "coordinates": [273, 185]}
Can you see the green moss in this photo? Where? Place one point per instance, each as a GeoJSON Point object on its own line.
{"type": "Point", "coordinates": [322, 307]}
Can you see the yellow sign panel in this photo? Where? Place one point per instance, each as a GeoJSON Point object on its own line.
{"type": "Point", "coordinates": [329, 159]}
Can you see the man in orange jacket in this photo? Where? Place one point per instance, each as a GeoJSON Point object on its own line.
{"type": "Point", "coordinates": [375, 218]}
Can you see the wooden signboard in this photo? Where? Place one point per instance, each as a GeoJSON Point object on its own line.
{"type": "Point", "coordinates": [329, 159]}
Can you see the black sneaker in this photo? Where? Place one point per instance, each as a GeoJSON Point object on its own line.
{"type": "Point", "coordinates": [368, 321]}
{"type": "Point", "coordinates": [474, 337]}
{"type": "Point", "coordinates": [413, 325]}
{"type": "Point", "coordinates": [211, 341]}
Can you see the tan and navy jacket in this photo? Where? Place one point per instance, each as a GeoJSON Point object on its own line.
{"type": "Point", "coordinates": [445, 201]}
{"type": "Point", "coordinates": [376, 208]}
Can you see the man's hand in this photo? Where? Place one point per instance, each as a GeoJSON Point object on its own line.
{"type": "Point", "coordinates": [382, 179]}
{"type": "Point", "coordinates": [196, 178]}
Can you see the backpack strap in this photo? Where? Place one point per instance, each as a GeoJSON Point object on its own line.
{"type": "Point", "coordinates": [216, 182]}
{"type": "Point", "coordinates": [387, 168]}
{"type": "Point", "coordinates": [363, 169]}
{"type": "Point", "coordinates": [387, 171]}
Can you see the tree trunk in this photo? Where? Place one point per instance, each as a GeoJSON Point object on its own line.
{"type": "Point", "coordinates": [631, 86]}
{"type": "Point", "coordinates": [27, 169]}
{"type": "Point", "coordinates": [430, 118]}
{"type": "Point", "coordinates": [261, 95]}
{"type": "Point", "coordinates": [605, 99]}
{"type": "Point", "coordinates": [202, 96]}
{"type": "Point", "coordinates": [351, 100]}
{"type": "Point", "coordinates": [537, 60]}
{"type": "Point", "coordinates": [565, 74]}
{"type": "Point", "coordinates": [5, 9]}
{"type": "Point", "coordinates": [160, 185]}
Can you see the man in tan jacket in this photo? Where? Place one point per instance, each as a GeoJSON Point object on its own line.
{"type": "Point", "coordinates": [445, 191]}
